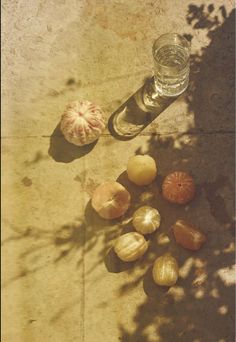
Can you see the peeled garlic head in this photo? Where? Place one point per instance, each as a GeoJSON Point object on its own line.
{"type": "Point", "coordinates": [146, 220]}
{"type": "Point", "coordinates": [130, 246]}
{"type": "Point", "coordinates": [111, 200]}
{"type": "Point", "coordinates": [141, 169]}
{"type": "Point", "coordinates": [165, 270]}
{"type": "Point", "coordinates": [82, 122]}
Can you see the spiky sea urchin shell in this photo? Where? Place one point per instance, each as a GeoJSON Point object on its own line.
{"type": "Point", "coordinates": [82, 122]}
{"type": "Point", "coordinates": [178, 187]}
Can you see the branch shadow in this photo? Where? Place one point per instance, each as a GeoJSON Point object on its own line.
{"type": "Point", "coordinates": [64, 243]}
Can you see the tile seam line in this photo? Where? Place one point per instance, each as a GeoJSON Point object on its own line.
{"type": "Point", "coordinates": [140, 134]}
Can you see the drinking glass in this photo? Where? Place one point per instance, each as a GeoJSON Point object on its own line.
{"type": "Point", "coordinates": [171, 53]}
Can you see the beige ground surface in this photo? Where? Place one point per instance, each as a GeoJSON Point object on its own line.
{"type": "Point", "coordinates": [61, 281]}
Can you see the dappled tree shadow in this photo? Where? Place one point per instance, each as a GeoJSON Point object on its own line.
{"type": "Point", "coordinates": [65, 242]}
{"type": "Point", "coordinates": [62, 243]}
{"type": "Point", "coordinates": [200, 307]}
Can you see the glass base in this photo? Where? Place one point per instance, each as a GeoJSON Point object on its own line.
{"type": "Point", "coordinates": [139, 111]}
{"type": "Point", "coordinates": [132, 117]}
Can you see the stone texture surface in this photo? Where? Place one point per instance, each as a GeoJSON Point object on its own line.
{"type": "Point", "coordinates": [61, 279]}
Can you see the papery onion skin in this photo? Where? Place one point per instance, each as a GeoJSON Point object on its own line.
{"type": "Point", "coordinates": [188, 236]}
{"type": "Point", "coordinates": [111, 200]}
{"type": "Point", "coordinates": [165, 270]}
{"type": "Point", "coordinates": [130, 246]}
{"type": "Point", "coordinates": [146, 220]}
{"type": "Point", "coordinates": [178, 187]}
{"type": "Point", "coordinates": [82, 122]}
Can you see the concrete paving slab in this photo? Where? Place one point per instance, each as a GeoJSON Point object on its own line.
{"type": "Point", "coordinates": [61, 278]}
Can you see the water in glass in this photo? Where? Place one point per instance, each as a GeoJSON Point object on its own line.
{"type": "Point", "coordinates": [171, 65]}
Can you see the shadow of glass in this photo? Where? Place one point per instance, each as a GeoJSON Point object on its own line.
{"type": "Point", "coordinates": [138, 112]}
{"type": "Point", "coordinates": [64, 152]}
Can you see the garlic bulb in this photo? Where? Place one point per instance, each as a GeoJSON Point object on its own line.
{"type": "Point", "coordinates": [82, 122]}
{"type": "Point", "coordinates": [165, 270]}
{"type": "Point", "coordinates": [146, 220]}
{"type": "Point", "coordinates": [130, 246]}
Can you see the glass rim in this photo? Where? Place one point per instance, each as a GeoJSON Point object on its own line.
{"type": "Point", "coordinates": [168, 35]}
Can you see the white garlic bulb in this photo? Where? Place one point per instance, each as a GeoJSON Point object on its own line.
{"type": "Point", "coordinates": [146, 219]}
{"type": "Point", "coordinates": [82, 122]}
{"type": "Point", "coordinates": [130, 246]}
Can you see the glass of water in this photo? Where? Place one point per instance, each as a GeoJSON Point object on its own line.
{"type": "Point", "coordinates": [171, 53]}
